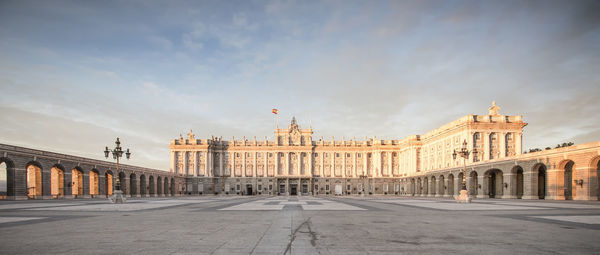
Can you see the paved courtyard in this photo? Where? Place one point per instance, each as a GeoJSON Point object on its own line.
{"type": "Point", "coordinates": [299, 225]}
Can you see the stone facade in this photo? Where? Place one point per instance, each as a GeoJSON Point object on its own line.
{"type": "Point", "coordinates": [419, 165]}
{"type": "Point", "coordinates": [37, 174]}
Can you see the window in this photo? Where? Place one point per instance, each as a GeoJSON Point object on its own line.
{"type": "Point", "coordinates": [316, 155]}
{"type": "Point", "coordinates": [360, 155]}
{"type": "Point", "coordinates": [348, 155]}
{"type": "Point", "coordinates": [327, 187]}
{"type": "Point", "coordinates": [259, 187]}
{"type": "Point", "coordinates": [316, 186]}
{"type": "Point", "coordinates": [337, 155]}
{"type": "Point", "coordinates": [270, 155]}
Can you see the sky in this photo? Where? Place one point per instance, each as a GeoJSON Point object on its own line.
{"type": "Point", "coordinates": [74, 75]}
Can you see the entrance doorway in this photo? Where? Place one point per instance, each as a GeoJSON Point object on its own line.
{"type": "Point", "coordinates": [305, 188]}
{"type": "Point", "coordinates": [293, 189]}
{"type": "Point", "coordinates": [281, 189]}
{"type": "Point", "coordinates": [249, 189]}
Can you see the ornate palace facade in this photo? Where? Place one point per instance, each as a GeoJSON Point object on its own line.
{"type": "Point", "coordinates": [295, 163]}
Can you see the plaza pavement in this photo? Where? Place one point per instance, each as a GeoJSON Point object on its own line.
{"type": "Point", "coordinates": [299, 225]}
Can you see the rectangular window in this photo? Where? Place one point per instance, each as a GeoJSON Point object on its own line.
{"type": "Point", "coordinates": [327, 187]}
{"type": "Point", "coordinates": [259, 187]}
{"type": "Point", "coordinates": [348, 155]}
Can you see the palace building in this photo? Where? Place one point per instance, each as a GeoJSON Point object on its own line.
{"type": "Point", "coordinates": [296, 163]}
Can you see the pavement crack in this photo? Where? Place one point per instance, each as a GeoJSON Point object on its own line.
{"type": "Point", "coordinates": [313, 235]}
{"type": "Point", "coordinates": [261, 237]}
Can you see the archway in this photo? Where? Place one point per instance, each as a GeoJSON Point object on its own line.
{"type": "Point", "coordinates": [77, 182]}
{"type": "Point", "coordinates": [541, 174]}
{"type": "Point", "coordinates": [152, 186]}
{"type": "Point", "coordinates": [57, 182]}
{"type": "Point", "coordinates": [474, 184]}
{"type": "Point", "coordinates": [108, 183]}
{"type": "Point", "coordinates": [518, 171]}
{"type": "Point", "coordinates": [598, 176]}
{"type": "Point", "coordinates": [460, 179]}
{"type": "Point", "coordinates": [94, 190]}
{"type": "Point", "coordinates": [569, 180]}
{"type": "Point", "coordinates": [159, 186]}
{"type": "Point", "coordinates": [441, 186]}
{"type": "Point", "coordinates": [132, 185]}
{"type": "Point", "coordinates": [433, 186]}
{"type": "Point", "coordinates": [451, 184]}
{"type": "Point", "coordinates": [495, 182]}
{"type": "Point", "coordinates": [173, 187]}
{"type": "Point", "coordinates": [143, 187]}
{"type": "Point", "coordinates": [419, 186]}
{"type": "Point", "coordinates": [34, 180]}
{"type": "Point", "coordinates": [412, 187]}
{"type": "Point", "coordinates": [3, 180]}
{"type": "Point", "coordinates": [425, 186]}
{"type": "Point", "coordinates": [166, 186]}
{"type": "Point", "coordinates": [122, 185]}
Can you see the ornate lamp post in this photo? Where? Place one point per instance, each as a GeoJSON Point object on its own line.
{"type": "Point", "coordinates": [117, 153]}
{"type": "Point", "coordinates": [464, 153]}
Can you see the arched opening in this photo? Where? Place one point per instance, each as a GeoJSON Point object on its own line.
{"type": "Point", "coordinates": [34, 180]}
{"type": "Point", "coordinates": [412, 187]}
{"type": "Point", "coordinates": [519, 178]}
{"type": "Point", "coordinates": [495, 183]}
{"type": "Point", "coordinates": [474, 187]}
{"type": "Point", "coordinates": [122, 184]}
{"type": "Point", "coordinates": [441, 186]}
{"type": "Point", "coordinates": [419, 186]}
{"type": "Point", "coordinates": [433, 185]}
{"type": "Point", "coordinates": [108, 183]}
{"type": "Point", "coordinates": [166, 186]}
{"type": "Point", "coordinates": [451, 184]}
{"type": "Point", "coordinates": [132, 185]}
{"type": "Point", "coordinates": [57, 182]}
{"type": "Point", "coordinates": [569, 180]}
{"type": "Point", "coordinates": [173, 191]}
{"type": "Point", "coordinates": [143, 187]}
{"type": "Point", "coordinates": [425, 186]}
{"type": "Point", "coordinates": [598, 177]}
{"type": "Point", "coordinates": [3, 181]}
{"type": "Point", "coordinates": [541, 187]}
{"type": "Point", "coordinates": [77, 182]}
{"type": "Point", "coordinates": [151, 187]}
{"type": "Point", "coordinates": [94, 189]}
{"type": "Point", "coordinates": [460, 179]}
{"type": "Point", "coordinates": [159, 186]}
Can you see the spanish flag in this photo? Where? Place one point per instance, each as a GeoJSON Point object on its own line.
{"type": "Point", "coordinates": [274, 111]}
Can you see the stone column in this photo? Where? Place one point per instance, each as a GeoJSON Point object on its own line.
{"type": "Point", "coordinates": [185, 169]}
{"type": "Point", "coordinates": [502, 144]}
{"type": "Point", "coordinates": [390, 164]}
{"type": "Point", "coordinates": [244, 164]}
{"type": "Point", "coordinates": [354, 171]}
{"type": "Point", "coordinates": [518, 143]}
{"type": "Point", "coordinates": [344, 166]}
{"type": "Point", "coordinates": [196, 166]}
{"type": "Point", "coordinates": [322, 170]}
{"type": "Point", "coordinates": [299, 163]}
{"type": "Point", "coordinates": [364, 156]}
{"type": "Point", "coordinates": [509, 192]}
{"type": "Point", "coordinates": [486, 145]}
{"type": "Point", "coordinates": [287, 164]}
{"type": "Point", "coordinates": [310, 166]}
{"type": "Point", "coordinates": [555, 184]}
{"type": "Point", "coordinates": [332, 168]}
{"type": "Point", "coordinates": [255, 166]}
{"type": "Point", "coordinates": [208, 164]}
{"type": "Point", "coordinates": [276, 171]}
{"type": "Point", "coordinates": [221, 170]}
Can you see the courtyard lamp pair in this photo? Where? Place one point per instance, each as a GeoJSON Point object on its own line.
{"type": "Point", "coordinates": [464, 153]}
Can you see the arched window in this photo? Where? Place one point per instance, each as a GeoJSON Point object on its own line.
{"type": "Point", "coordinates": [3, 181]}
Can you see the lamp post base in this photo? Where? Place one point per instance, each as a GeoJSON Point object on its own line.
{"type": "Point", "coordinates": [117, 197]}
{"type": "Point", "coordinates": [463, 197]}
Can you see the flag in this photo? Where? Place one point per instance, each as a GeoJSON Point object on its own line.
{"type": "Point", "coordinates": [274, 111]}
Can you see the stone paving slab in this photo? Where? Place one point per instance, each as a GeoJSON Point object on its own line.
{"type": "Point", "coordinates": [17, 219]}
{"type": "Point", "coordinates": [585, 219]}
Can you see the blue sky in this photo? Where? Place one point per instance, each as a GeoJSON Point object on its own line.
{"type": "Point", "coordinates": [76, 74]}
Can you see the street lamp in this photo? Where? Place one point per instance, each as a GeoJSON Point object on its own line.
{"type": "Point", "coordinates": [464, 153]}
{"type": "Point", "coordinates": [117, 153]}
